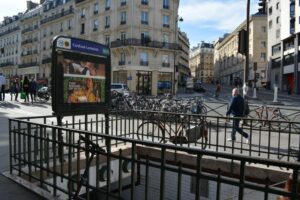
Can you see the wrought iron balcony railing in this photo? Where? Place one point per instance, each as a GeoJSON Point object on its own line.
{"type": "Point", "coordinates": [46, 60]}
{"type": "Point", "coordinates": [24, 65]}
{"type": "Point", "coordinates": [6, 64]}
{"type": "Point", "coordinates": [9, 31]}
{"type": "Point", "coordinates": [140, 42]}
{"type": "Point", "coordinates": [59, 15]}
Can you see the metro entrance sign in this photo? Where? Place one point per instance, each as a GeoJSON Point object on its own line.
{"type": "Point", "coordinates": [80, 76]}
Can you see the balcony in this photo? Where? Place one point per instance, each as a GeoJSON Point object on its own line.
{"type": "Point", "coordinates": [46, 60]}
{"type": "Point", "coordinates": [107, 8]}
{"type": "Point", "coordinates": [96, 12]}
{"type": "Point", "coordinates": [122, 62]}
{"type": "Point", "coordinates": [107, 26]}
{"type": "Point", "coordinates": [144, 22]}
{"type": "Point", "coordinates": [144, 63]}
{"type": "Point", "coordinates": [35, 27]}
{"type": "Point", "coordinates": [123, 22]}
{"type": "Point", "coordinates": [24, 65]}
{"type": "Point", "coordinates": [95, 29]}
{"type": "Point", "coordinates": [59, 15]}
{"type": "Point", "coordinates": [6, 64]}
{"type": "Point", "coordinates": [26, 41]}
{"type": "Point", "coordinates": [166, 25]}
{"type": "Point", "coordinates": [140, 42]}
{"type": "Point", "coordinates": [27, 30]}
{"type": "Point", "coordinates": [79, 1]}
{"type": "Point", "coordinates": [123, 3]}
{"type": "Point", "coordinates": [9, 31]}
{"type": "Point", "coordinates": [164, 64]}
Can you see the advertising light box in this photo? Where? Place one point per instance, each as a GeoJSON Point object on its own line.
{"type": "Point", "coordinates": [80, 76]}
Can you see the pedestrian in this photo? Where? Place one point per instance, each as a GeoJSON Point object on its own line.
{"type": "Point", "coordinates": [32, 90]}
{"type": "Point", "coordinates": [218, 90]}
{"type": "Point", "coordinates": [16, 89]}
{"type": "Point", "coordinates": [236, 108]}
{"type": "Point", "coordinates": [26, 88]}
{"type": "Point", "coordinates": [2, 87]}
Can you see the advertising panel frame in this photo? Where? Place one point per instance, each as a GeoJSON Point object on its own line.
{"type": "Point", "coordinates": [80, 77]}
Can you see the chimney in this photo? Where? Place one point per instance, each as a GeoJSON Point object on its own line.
{"type": "Point", "coordinates": [31, 5]}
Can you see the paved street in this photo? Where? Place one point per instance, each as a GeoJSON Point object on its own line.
{"type": "Point", "coordinates": [19, 109]}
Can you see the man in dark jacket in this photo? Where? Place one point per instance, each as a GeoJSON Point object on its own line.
{"type": "Point", "coordinates": [236, 108]}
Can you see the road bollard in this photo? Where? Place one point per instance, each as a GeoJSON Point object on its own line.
{"type": "Point", "coordinates": [275, 94]}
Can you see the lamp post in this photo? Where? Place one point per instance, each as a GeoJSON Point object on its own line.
{"type": "Point", "coordinates": [180, 19]}
{"type": "Point", "coordinates": [246, 67]}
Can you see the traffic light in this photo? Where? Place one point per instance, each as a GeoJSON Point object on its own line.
{"type": "Point", "coordinates": [243, 42]}
{"type": "Point", "coordinates": [262, 5]}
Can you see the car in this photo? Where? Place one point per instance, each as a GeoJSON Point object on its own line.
{"type": "Point", "coordinates": [120, 88]}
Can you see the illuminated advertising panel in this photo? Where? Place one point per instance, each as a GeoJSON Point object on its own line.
{"type": "Point", "coordinates": [80, 76]}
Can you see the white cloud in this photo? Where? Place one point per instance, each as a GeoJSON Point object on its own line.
{"type": "Point", "coordinates": [222, 15]}
{"type": "Point", "coordinates": [12, 7]}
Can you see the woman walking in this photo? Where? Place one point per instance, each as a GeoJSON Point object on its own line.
{"type": "Point", "coordinates": [26, 88]}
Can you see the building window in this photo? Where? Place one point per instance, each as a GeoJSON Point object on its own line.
{"type": "Point", "coordinates": [277, 6]}
{"type": "Point", "coordinates": [263, 44]}
{"type": "Point", "coordinates": [278, 33]}
{"type": "Point", "coordinates": [107, 22]}
{"type": "Point", "coordinates": [144, 2]}
{"type": "Point", "coordinates": [270, 11]}
{"type": "Point", "coordinates": [263, 56]}
{"type": "Point", "coordinates": [145, 38]}
{"type": "Point", "coordinates": [166, 4]}
{"type": "Point", "coordinates": [122, 59]}
{"type": "Point", "coordinates": [82, 28]}
{"type": "Point", "coordinates": [263, 29]}
{"type": "Point", "coordinates": [69, 24]}
{"type": "Point", "coordinates": [82, 12]}
{"type": "Point", "coordinates": [165, 61]}
{"type": "Point", "coordinates": [96, 25]}
{"type": "Point", "coordinates": [123, 17]}
{"type": "Point", "coordinates": [277, 20]}
{"type": "Point", "coordinates": [96, 8]}
{"type": "Point", "coordinates": [144, 59]}
{"type": "Point", "coordinates": [270, 24]}
{"type": "Point", "coordinates": [144, 17]}
{"type": "Point", "coordinates": [166, 21]}
{"type": "Point", "coordinates": [107, 4]}
{"type": "Point", "coordinates": [123, 2]}
{"type": "Point", "coordinates": [61, 27]}
{"type": "Point", "coordinates": [107, 40]}
{"type": "Point", "coordinates": [123, 37]}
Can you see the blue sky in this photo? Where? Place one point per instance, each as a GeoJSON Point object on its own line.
{"type": "Point", "coordinates": [203, 20]}
{"type": "Point", "coordinates": [207, 20]}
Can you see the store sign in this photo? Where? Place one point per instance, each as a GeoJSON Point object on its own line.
{"type": "Point", "coordinates": [80, 76]}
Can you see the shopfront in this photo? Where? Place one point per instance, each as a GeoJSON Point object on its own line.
{"type": "Point", "coordinates": [164, 83]}
{"type": "Point", "coordinates": [144, 83]}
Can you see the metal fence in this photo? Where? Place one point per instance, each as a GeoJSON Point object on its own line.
{"type": "Point", "coordinates": [96, 156]}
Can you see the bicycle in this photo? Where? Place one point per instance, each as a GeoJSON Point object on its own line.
{"type": "Point", "coordinates": [264, 116]}
{"type": "Point", "coordinates": [190, 129]}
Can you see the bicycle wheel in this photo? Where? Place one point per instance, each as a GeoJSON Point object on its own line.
{"type": "Point", "coordinates": [253, 116]}
{"type": "Point", "coordinates": [150, 130]}
{"type": "Point", "coordinates": [279, 122]}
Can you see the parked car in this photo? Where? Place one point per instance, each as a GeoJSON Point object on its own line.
{"type": "Point", "coordinates": [120, 88]}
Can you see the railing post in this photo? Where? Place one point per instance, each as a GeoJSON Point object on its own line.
{"type": "Point", "coordinates": [162, 173]}
{"type": "Point", "coordinates": [10, 146]}
{"type": "Point", "coordinates": [242, 180]}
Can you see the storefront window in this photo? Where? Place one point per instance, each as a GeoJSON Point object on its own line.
{"type": "Point", "coordinates": [164, 83]}
{"type": "Point", "coordinates": [120, 77]}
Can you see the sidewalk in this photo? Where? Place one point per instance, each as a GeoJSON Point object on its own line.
{"type": "Point", "coordinates": [11, 190]}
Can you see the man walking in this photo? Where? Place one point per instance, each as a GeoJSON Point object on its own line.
{"type": "Point", "coordinates": [236, 108]}
{"type": "Point", "coordinates": [2, 87]}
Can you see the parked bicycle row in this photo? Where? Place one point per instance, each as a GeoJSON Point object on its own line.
{"type": "Point", "coordinates": [160, 103]}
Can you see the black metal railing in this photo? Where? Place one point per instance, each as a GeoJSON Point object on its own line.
{"type": "Point", "coordinates": [59, 15]}
{"type": "Point", "coordinates": [27, 41]}
{"type": "Point", "coordinates": [140, 42]}
{"type": "Point", "coordinates": [27, 30]}
{"type": "Point", "coordinates": [10, 31]}
{"type": "Point", "coordinates": [6, 64]}
{"type": "Point", "coordinates": [28, 64]}
{"type": "Point", "coordinates": [61, 160]}
{"type": "Point", "coordinates": [46, 60]}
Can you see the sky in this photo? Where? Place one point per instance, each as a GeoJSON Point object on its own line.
{"type": "Point", "coordinates": [203, 20]}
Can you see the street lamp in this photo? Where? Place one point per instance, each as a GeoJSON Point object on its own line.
{"type": "Point", "coordinates": [180, 19]}
{"type": "Point", "coordinates": [246, 67]}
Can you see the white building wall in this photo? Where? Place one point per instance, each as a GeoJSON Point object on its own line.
{"type": "Point", "coordinates": [285, 18]}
